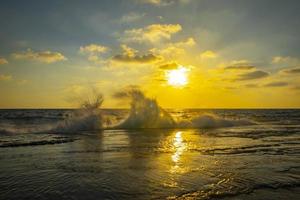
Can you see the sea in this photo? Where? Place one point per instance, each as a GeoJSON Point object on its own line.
{"type": "Point", "coordinates": [223, 154]}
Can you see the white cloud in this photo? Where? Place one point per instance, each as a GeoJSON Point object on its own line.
{"type": "Point", "coordinates": [94, 51]}
{"type": "Point", "coordinates": [41, 56]}
{"type": "Point", "coordinates": [93, 48]}
{"type": "Point", "coordinates": [153, 33]}
{"type": "Point", "coordinates": [130, 56]}
{"type": "Point", "coordinates": [174, 50]}
{"type": "Point", "coordinates": [285, 60]}
{"type": "Point", "coordinates": [208, 55]}
{"type": "Point", "coordinates": [163, 2]}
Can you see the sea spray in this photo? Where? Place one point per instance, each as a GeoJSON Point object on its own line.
{"type": "Point", "coordinates": [144, 112]}
{"type": "Point", "coordinates": [211, 121]}
{"type": "Point", "coordinates": [88, 117]}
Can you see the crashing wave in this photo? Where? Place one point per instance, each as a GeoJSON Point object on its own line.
{"type": "Point", "coordinates": [87, 118]}
{"type": "Point", "coordinates": [144, 112]}
{"type": "Point", "coordinates": [212, 121]}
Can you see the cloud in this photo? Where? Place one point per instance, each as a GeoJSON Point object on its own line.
{"type": "Point", "coordinates": [240, 62]}
{"type": "Point", "coordinates": [189, 42]}
{"type": "Point", "coordinates": [284, 59]}
{"type": "Point", "coordinates": [153, 33]}
{"type": "Point", "coordinates": [170, 52]}
{"type": "Point", "coordinates": [251, 85]}
{"type": "Point", "coordinates": [240, 67]}
{"type": "Point", "coordinates": [93, 48]}
{"type": "Point", "coordinates": [175, 49]}
{"type": "Point", "coordinates": [163, 2]}
{"type": "Point", "coordinates": [168, 66]}
{"type": "Point", "coordinates": [132, 17]}
{"type": "Point", "coordinates": [253, 75]}
{"type": "Point", "coordinates": [3, 61]}
{"type": "Point", "coordinates": [41, 56]}
{"type": "Point", "coordinates": [295, 70]}
{"type": "Point", "coordinates": [129, 55]}
{"type": "Point", "coordinates": [208, 55]}
{"type": "Point", "coordinates": [94, 51]}
{"type": "Point", "coordinates": [147, 58]}
{"type": "Point", "coordinates": [276, 84]}
{"type": "Point", "coordinates": [158, 2]}
{"type": "Point", "coordinates": [130, 91]}
{"type": "Point", "coordinates": [4, 77]}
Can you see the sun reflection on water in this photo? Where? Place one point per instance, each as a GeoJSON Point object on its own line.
{"type": "Point", "coordinates": [179, 147]}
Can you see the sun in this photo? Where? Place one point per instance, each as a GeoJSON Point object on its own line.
{"type": "Point", "coordinates": [177, 77]}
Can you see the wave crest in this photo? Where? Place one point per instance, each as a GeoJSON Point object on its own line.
{"type": "Point", "coordinates": [88, 117]}
{"type": "Point", "coordinates": [146, 113]}
{"type": "Point", "coordinates": [212, 121]}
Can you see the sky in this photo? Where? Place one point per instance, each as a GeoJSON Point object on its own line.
{"type": "Point", "coordinates": [184, 53]}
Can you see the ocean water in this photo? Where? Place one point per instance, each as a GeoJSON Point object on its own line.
{"type": "Point", "coordinates": [226, 154]}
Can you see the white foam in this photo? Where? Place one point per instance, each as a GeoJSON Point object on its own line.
{"type": "Point", "coordinates": [146, 113]}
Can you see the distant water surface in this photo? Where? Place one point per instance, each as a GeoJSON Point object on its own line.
{"type": "Point", "coordinates": [258, 161]}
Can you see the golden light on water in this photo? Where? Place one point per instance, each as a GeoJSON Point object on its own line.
{"type": "Point", "coordinates": [177, 77]}
{"type": "Point", "coordinates": [179, 147]}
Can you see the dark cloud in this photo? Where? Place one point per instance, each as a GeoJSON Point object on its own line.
{"type": "Point", "coordinates": [296, 87]}
{"type": "Point", "coordinates": [292, 70]}
{"type": "Point", "coordinates": [240, 67]}
{"type": "Point", "coordinates": [230, 88]}
{"type": "Point", "coordinates": [251, 86]}
{"type": "Point", "coordinates": [129, 92]}
{"type": "Point", "coordinates": [253, 75]}
{"type": "Point", "coordinates": [276, 84]}
{"type": "Point", "coordinates": [147, 58]}
{"type": "Point", "coordinates": [167, 66]}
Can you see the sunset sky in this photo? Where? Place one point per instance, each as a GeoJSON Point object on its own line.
{"type": "Point", "coordinates": [184, 53]}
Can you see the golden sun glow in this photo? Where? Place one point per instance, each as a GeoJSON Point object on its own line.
{"type": "Point", "coordinates": [177, 77]}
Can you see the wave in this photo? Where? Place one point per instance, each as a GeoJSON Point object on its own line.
{"type": "Point", "coordinates": [144, 113]}
{"type": "Point", "coordinates": [88, 117]}
{"type": "Point", "coordinates": [22, 130]}
{"type": "Point", "coordinates": [212, 121]}
{"type": "Point", "coordinates": [36, 143]}
{"type": "Point", "coordinates": [223, 191]}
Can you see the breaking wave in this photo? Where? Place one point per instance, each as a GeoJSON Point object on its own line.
{"type": "Point", "coordinates": [146, 113]}
{"type": "Point", "coordinates": [87, 118]}
{"type": "Point", "coordinates": [211, 121]}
